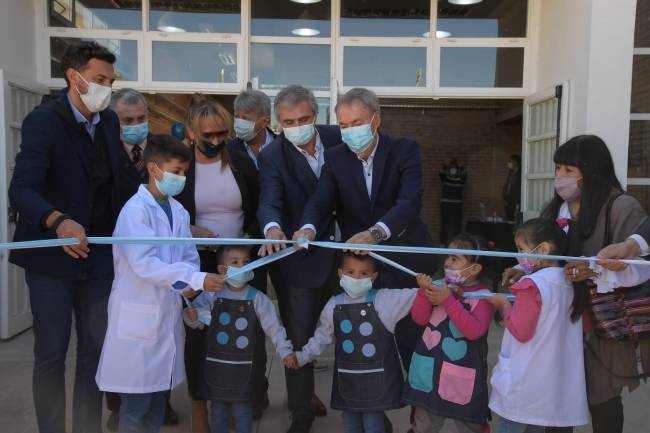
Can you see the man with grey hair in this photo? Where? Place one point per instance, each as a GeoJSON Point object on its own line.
{"type": "Point", "coordinates": [252, 121]}
{"type": "Point", "coordinates": [289, 169]}
{"type": "Point", "coordinates": [132, 112]}
{"type": "Point", "coordinates": [375, 183]}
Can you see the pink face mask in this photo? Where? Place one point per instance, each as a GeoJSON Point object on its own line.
{"type": "Point", "coordinates": [525, 264]}
{"type": "Point", "coordinates": [567, 187]}
{"type": "Point", "coordinates": [456, 277]}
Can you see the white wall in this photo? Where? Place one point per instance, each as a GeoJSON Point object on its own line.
{"type": "Point", "coordinates": [590, 43]}
{"type": "Point", "coordinates": [18, 38]}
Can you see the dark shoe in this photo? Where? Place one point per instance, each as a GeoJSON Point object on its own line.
{"type": "Point", "coordinates": [171, 417]}
{"type": "Point", "coordinates": [259, 406]}
{"type": "Point", "coordinates": [300, 425]}
{"type": "Point", "coordinates": [113, 421]}
{"type": "Point", "coordinates": [319, 408]}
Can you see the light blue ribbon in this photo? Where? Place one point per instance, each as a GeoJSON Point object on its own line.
{"type": "Point", "coordinates": [264, 261]}
{"type": "Point", "coordinates": [333, 245]}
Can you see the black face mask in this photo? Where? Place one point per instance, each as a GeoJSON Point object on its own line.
{"type": "Point", "coordinates": [210, 150]}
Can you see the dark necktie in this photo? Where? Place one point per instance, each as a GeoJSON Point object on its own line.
{"type": "Point", "coordinates": [136, 157]}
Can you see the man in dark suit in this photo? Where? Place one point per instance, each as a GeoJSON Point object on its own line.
{"type": "Point", "coordinates": [132, 112]}
{"type": "Point", "coordinates": [289, 169]}
{"type": "Point", "coordinates": [65, 184]}
{"type": "Point", "coordinates": [252, 120]}
{"type": "Point", "coordinates": [375, 183]}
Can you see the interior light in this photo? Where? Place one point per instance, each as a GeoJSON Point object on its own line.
{"type": "Point", "coordinates": [464, 2]}
{"type": "Point", "coordinates": [440, 34]}
{"type": "Point", "coordinates": [306, 2]}
{"type": "Point", "coordinates": [305, 32]}
{"type": "Point", "coordinates": [171, 29]}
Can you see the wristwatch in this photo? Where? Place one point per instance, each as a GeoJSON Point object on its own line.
{"type": "Point", "coordinates": [377, 233]}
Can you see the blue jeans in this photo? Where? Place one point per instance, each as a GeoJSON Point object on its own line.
{"type": "Point", "coordinates": [242, 412]}
{"type": "Point", "coordinates": [142, 413]}
{"type": "Point", "coordinates": [360, 422]}
{"type": "Point", "coordinates": [507, 426]}
{"type": "Point", "coordinates": [53, 302]}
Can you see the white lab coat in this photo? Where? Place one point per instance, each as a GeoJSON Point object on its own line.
{"type": "Point", "coordinates": [143, 348]}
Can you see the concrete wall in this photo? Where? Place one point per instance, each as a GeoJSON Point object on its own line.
{"type": "Point", "coordinates": [590, 43]}
{"type": "Point", "coordinates": [18, 38]}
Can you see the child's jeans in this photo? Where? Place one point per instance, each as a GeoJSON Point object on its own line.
{"type": "Point", "coordinates": [360, 422]}
{"type": "Point", "coordinates": [142, 413]}
{"type": "Point", "coordinates": [241, 412]}
{"type": "Point", "coordinates": [426, 422]}
{"type": "Point", "coordinates": [507, 426]}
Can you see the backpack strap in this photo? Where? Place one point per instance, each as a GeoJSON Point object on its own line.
{"type": "Point", "coordinates": [370, 297]}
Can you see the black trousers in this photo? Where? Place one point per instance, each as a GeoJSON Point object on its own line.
{"type": "Point", "coordinates": [300, 309]}
{"type": "Point", "coordinates": [195, 343]}
{"type": "Point", "coordinates": [113, 400]}
{"type": "Point", "coordinates": [451, 221]}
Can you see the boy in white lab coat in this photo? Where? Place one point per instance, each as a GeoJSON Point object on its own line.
{"type": "Point", "coordinates": [142, 356]}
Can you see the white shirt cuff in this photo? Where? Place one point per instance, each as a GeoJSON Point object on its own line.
{"type": "Point", "coordinates": [310, 227]}
{"type": "Point", "coordinates": [385, 228]}
{"type": "Point", "coordinates": [645, 249]}
{"type": "Point", "coordinates": [198, 278]}
{"type": "Point", "coordinates": [269, 226]}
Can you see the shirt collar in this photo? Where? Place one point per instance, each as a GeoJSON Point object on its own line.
{"type": "Point", "coordinates": [269, 138]}
{"type": "Point", "coordinates": [371, 157]}
{"type": "Point", "coordinates": [80, 118]}
{"type": "Point", "coordinates": [318, 150]}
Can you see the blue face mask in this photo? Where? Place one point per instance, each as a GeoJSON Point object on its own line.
{"type": "Point", "coordinates": [299, 135]}
{"type": "Point", "coordinates": [358, 138]}
{"type": "Point", "coordinates": [245, 129]}
{"type": "Point", "coordinates": [135, 134]}
{"type": "Point", "coordinates": [205, 317]}
{"type": "Point", "coordinates": [355, 287]}
{"type": "Point", "coordinates": [171, 184]}
{"type": "Point", "coordinates": [240, 280]}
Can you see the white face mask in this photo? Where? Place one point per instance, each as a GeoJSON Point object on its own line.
{"type": "Point", "coordinates": [97, 98]}
{"type": "Point", "coordinates": [299, 135]}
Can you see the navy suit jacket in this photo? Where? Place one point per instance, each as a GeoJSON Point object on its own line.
{"type": "Point", "coordinates": [396, 199]}
{"type": "Point", "coordinates": [286, 183]}
{"type": "Point", "coordinates": [52, 172]}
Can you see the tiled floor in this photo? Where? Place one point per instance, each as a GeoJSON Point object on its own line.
{"type": "Point", "coordinates": [16, 408]}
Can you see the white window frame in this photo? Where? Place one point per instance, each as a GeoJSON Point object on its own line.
{"type": "Point", "coordinates": [337, 44]}
{"type": "Point", "coordinates": [639, 181]}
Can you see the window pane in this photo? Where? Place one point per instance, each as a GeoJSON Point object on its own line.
{"type": "Point", "coordinates": [126, 53]}
{"type": "Point", "coordinates": [385, 18]}
{"type": "Point", "coordinates": [278, 65]}
{"type": "Point", "coordinates": [216, 16]}
{"type": "Point", "coordinates": [384, 66]}
{"type": "Point", "coordinates": [640, 84]}
{"type": "Point", "coordinates": [95, 14]}
{"type": "Point", "coordinates": [639, 151]}
{"type": "Point", "coordinates": [196, 62]}
{"type": "Point", "coordinates": [481, 67]}
{"type": "Point", "coordinates": [487, 19]}
{"type": "Point", "coordinates": [289, 18]}
{"type": "Point", "coordinates": [641, 193]}
{"type": "Point", "coordinates": [642, 27]}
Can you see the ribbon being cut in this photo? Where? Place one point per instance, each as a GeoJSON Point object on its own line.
{"type": "Point", "coordinates": [294, 246]}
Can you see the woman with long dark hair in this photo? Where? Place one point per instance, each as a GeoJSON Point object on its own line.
{"type": "Point", "coordinates": [589, 196]}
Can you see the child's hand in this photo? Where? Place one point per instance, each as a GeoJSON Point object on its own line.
{"type": "Point", "coordinates": [499, 300]}
{"type": "Point", "coordinates": [291, 362]}
{"type": "Point", "coordinates": [437, 295]}
{"type": "Point", "coordinates": [214, 282]}
{"type": "Point", "coordinates": [424, 281]}
{"type": "Point", "coordinates": [190, 293]}
{"type": "Point", "coordinates": [191, 314]}
{"type": "Point", "coordinates": [511, 276]}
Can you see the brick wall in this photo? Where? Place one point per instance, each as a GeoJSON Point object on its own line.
{"type": "Point", "coordinates": [471, 135]}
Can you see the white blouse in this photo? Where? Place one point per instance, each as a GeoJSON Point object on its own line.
{"type": "Point", "coordinates": [218, 201]}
